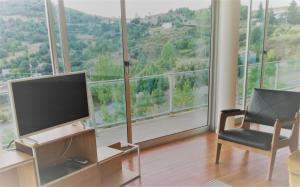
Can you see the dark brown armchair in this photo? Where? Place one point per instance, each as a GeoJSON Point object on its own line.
{"type": "Point", "coordinates": [279, 109]}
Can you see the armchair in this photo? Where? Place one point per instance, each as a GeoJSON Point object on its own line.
{"type": "Point", "coordinates": [279, 109]}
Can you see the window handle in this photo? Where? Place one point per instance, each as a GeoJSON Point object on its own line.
{"type": "Point", "coordinates": [126, 63]}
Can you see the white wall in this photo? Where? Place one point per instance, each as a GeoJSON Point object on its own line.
{"type": "Point", "coordinates": [227, 54]}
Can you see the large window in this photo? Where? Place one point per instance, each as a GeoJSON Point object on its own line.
{"type": "Point", "coordinates": [94, 42]}
{"type": "Point", "coordinates": [256, 41]}
{"type": "Point", "coordinates": [169, 54]}
{"type": "Point", "coordinates": [273, 45]}
{"type": "Point", "coordinates": [24, 51]}
{"type": "Point", "coordinates": [282, 60]}
{"type": "Point", "coordinates": [169, 49]}
{"type": "Point", "coordinates": [255, 32]}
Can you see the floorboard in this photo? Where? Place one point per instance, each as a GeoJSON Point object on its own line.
{"type": "Point", "coordinates": [190, 162]}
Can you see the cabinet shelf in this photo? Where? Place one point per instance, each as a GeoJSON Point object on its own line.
{"type": "Point", "coordinates": [43, 162]}
{"type": "Point", "coordinates": [107, 153]}
{"type": "Point", "coordinates": [54, 147]}
{"type": "Point", "coordinates": [67, 175]}
{"type": "Point", "coordinates": [17, 169]}
{"type": "Point", "coordinates": [11, 159]}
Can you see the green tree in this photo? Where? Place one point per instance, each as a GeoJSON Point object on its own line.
{"type": "Point", "coordinates": [260, 12]}
{"type": "Point", "coordinates": [158, 94]}
{"type": "Point", "coordinates": [293, 13]}
{"type": "Point", "coordinates": [253, 79]}
{"type": "Point", "coordinates": [3, 53]}
{"type": "Point", "coordinates": [106, 117]}
{"type": "Point", "coordinates": [142, 105]}
{"type": "Point", "coordinates": [244, 13]}
{"type": "Point", "coordinates": [270, 69]}
{"type": "Point", "coordinates": [104, 94]}
{"type": "Point", "coordinates": [184, 95]}
{"type": "Point", "coordinates": [272, 18]}
{"type": "Point", "coordinates": [168, 56]}
{"type": "Point", "coordinates": [256, 39]}
{"type": "Point", "coordinates": [4, 116]}
{"type": "Point", "coordinates": [105, 69]}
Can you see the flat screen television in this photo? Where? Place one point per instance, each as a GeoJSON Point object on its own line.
{"type": "Point", "coordinates": [46, 102]}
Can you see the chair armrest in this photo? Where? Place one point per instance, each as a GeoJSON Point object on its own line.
{"type": "Point", "coordinates": [233, 112]}
{"type": "Point", "coordinates": [228, 113]}
{"type": "Point", "coordinates": [279, 124]}
{"type": "Point", "coordinates": [287, 123]}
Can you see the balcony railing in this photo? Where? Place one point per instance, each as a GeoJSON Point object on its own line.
{"type": "Point", "coordinates": [151, 96]}
{"type": "Point", "coordinates": [159, 95]}
{"type": "Point", "coordinates": [283, 75]}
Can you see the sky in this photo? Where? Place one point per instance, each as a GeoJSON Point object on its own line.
{"type": "Point", "coordinates": [142, 8]}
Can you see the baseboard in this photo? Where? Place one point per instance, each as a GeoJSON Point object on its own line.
{"type": "Point", "coordinates": [173, 137]}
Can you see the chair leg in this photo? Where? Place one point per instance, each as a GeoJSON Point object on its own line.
{"type": "Point", "coordinates": [271, 165]}
{"type": "Point", "coordinates": [294, 142]}
{"type": "Point", "coordinates": [294, 147]}
{"type": "Point", "coordinates": [219, 147]}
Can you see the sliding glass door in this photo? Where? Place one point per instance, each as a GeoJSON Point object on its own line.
{"type": "Point", "coordinates": [282, 58]}
{"type": "Point", "coordinates": [273, 45]}
{"type": "Point", "coordinates": [169, 50]}
{"type": "Point", "coordinates": [94, 45]}
{"type": "Point", "coordinates": [169, 54]}
{"type": "Point", "coordinates": [256, 47]}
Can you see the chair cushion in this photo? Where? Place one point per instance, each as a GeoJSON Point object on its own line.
{"type": "Point", "coordinates": [252, 138]}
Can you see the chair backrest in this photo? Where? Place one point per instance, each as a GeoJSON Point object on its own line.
{"type": "Point", "coordinates": [268, 105]}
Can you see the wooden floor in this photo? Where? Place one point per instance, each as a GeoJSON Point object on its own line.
{"type": "Point", "coordinates": [190, 162]}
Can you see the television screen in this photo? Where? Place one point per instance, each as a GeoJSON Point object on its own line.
{"type": "Point", "coordinates": [50, 101]}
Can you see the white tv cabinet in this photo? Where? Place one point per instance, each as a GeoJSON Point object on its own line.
{"type": "Point", "coordinates": [39, 161]}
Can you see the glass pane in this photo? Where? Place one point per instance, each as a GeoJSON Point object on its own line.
{"type": "Point", "coordinates": [24, 51]}
{"type": "Point", "coordinates": [56, 27]}
{"type": "Point", "coordinates": [169, 48]}
{"type": "Point", "coordinates": [94, 39]}
{"type": "Point", "coordinates": [7, 130]}
{"type": "Point", "coordinates": [281, 70]}
{"type": "Point", "coordinates": [242, 53]}
{"type": "Point", "coordinates": [255, 46]}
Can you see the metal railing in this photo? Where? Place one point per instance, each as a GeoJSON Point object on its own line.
{"type": "Point", "coordinates": [165, 94]}
{"type": "Point", "coordinates": [283, 75]}
{"type": "Point", "coordinates": [154, 95]}
{"type": "Point", "coordinates": [161, 96]}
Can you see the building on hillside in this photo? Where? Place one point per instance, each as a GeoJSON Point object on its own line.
{"type": "Point", "coordinates": [5, 72]}
{"type": "Point", "coordinates": [167, 25]}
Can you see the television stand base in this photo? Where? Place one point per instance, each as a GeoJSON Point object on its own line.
{"type": "Point", "coordinates": [79, 123]}
{"type": "Point", "coordinates": [29, 140]}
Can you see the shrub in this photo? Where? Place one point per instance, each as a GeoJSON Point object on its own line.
{"type": "Point", "coordinates": [4, 117]}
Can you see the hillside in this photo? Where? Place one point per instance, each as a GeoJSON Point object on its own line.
{"type": "Point", "coordinates": [24, 42]}
{"type": "Point", "coordinates": [173, 46]}
{"type": "Point", "coordinates": [23, 38]}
